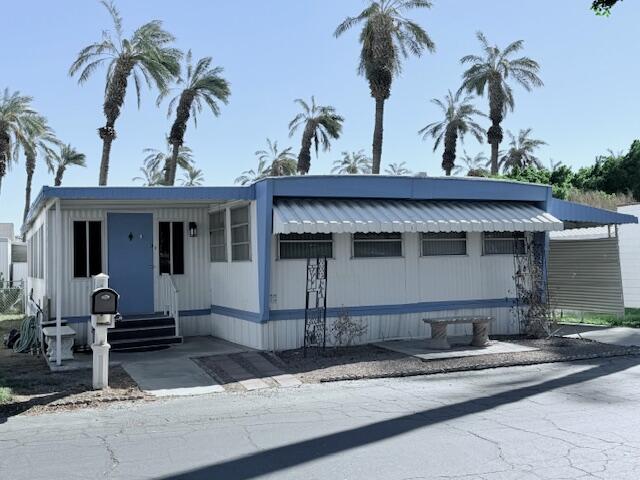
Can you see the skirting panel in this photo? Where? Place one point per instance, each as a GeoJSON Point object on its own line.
{"type": "Point", "coordinates": [192, 326]}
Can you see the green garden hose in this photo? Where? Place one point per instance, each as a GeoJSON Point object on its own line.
{"type": "Point", "coordinates": [28, 340]}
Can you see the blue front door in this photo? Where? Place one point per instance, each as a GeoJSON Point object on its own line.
{"type": "Point", "coordinates": [130, 240]}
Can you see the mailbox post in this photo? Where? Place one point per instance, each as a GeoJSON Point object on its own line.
{"type": "Point", "coordinates": [104, 308]}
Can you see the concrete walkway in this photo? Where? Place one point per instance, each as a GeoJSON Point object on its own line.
{"type": "Point", "coordinates": [623, 336]}
{"type": "Point", "coordinates": [172, 372]}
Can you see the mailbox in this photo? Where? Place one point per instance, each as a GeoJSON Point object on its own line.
{"type": "Point", "coordinates": [104, 301]}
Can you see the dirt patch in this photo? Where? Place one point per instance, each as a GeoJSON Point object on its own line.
{"type": "Point", "coordinates": [35, 389]}
{"type": "Point", "coordinates": [369, 361]}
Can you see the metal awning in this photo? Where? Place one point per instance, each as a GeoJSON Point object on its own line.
{"type": "Point", "coordinates": [350, 216]}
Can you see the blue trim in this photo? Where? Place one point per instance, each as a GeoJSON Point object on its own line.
{"type": "Point", "coordinates": [183, 313]}
{"type": "Point", "coordinates": [576, 212]}
{"type": "Point", "coordinates": [236, 313]}
{"type": "Point", "coordinates": [421, 307]}
{"type": "Point", "coordinates": [264, 209]}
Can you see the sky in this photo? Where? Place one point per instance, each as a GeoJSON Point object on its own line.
{"type": "Point", "coordinates": [275, 51]}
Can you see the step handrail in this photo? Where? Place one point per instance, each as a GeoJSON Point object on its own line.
{"type": "Point", "coordinates": [169, 299]}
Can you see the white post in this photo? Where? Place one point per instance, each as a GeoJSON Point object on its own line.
{"type": "Point", "coordinates": [100, 346]}
{"type": "Point", "coordinates": [58, 240]}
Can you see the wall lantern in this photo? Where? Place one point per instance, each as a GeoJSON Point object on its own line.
{"type": "Point", "coordinates": [193, 229]}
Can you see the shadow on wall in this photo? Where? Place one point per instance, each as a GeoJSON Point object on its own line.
{"type": "Point", "coordinates": [289, 456]}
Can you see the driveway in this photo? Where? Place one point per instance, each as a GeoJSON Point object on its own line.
{"type": "Point", "coordinates": [570, 420]}
{"type": "Point", "coordinates": [621, 336]}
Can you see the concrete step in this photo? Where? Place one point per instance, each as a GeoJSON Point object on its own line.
{"type": "Point", "coordinates": [152, 331]}
{"type": "Point", "coordinates": [144, 321]}
{"type": "Point", "coordinates": [143, 342]}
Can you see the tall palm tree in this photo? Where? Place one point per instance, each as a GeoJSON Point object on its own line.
{"type": "Point", "coordinates": [474, 166]}
{"type": "Point", "coordinates": [39, 139]}
{"type": "Point", "coordinates": [192, 178]}
{"type": "Point", "coordinates": [521, 151]}
{"type": "Point", "coordinates": [354, 163]}
{"type": "Point", "coordinates": [15, 109]}
{"type": "Point", "coordinates": [202, 85]}
{"type": "Point", "coordinates": [492, 72]}
{"type": "Point", "coordinates": [458, 120]}
{"type": "Point", "coordinates": [146, 56]}
{"type": "Point", "coordinates": [386, 38]}
{"type": "Point", "coordinates": [272, 162]}
{"type": "Point", "coordinates": [67, 156]}
{"type": "Point", "coordinates": [397, 169]}
{"type": "Point", "coordinates": [321, 123]}
{"type": "Point", "coordinates": [151, 177]}
{"type": "Point", "coordinates": [158, 159]}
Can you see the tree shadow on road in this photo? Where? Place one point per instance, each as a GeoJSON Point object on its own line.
{"type": "Point", "coordinates": [288, 456]}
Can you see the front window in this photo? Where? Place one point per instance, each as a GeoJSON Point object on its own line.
{"type": "Point", "coordinates": [87, 248]}
{"type": "Point", "coordinates": [218, 236]}
{"type": "Point", "coordinates": [171, 247]}
{"type": "Point", "coordinates": [240, 234]}
{"type": "Point", "coordinates": [367, 245]}
{"type": "Point", "coordinates": [306, 245]}
{"type": "Point", "coordinates": [444, 243]}
{"type": "Point", "coordinates": [507, 243]}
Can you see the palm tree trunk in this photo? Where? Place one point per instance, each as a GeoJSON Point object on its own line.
{"type": "Point", "coordinates": [5, 141]}
{"type": "Point", "coordinates": [304, 157]}
{"type": "Point", "coordinates": [377, 136]}
{"type": "Point", "coordinates": [107, 134]}
{"type": "Point", "coordinates": [31, 167]}
{"type": "Point", "coordinates": [449, 155]}
{"type": "Point", "coordinates": [496, 107]}
{"type": "Point", "coordinates": [59, 173]}
{"type": "Point", "coordinates": [495, 146]}
{"type": "Point", "coordinates": [170, 170]}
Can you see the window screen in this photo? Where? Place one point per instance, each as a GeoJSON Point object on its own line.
{"type": "Point", "coordinates": [240, 234]}
{"type": "Point", "coordinates": [171, 247]}
{"type": "Point", "coordinates": [87, 249]}
{"type": "Point", "coordinates": [218, 236]}
{"type": "Point", "coordinates": [444, 243]}
{"type": "Point", "coordinates": [306, 245]}
{"type": "Point", "coordinates": [509, 243]}
{"type": "Point", "coordinates": [377, 245]}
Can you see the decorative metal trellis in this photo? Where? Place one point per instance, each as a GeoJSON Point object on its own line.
{"type": "Point", "coordinates": [315, 310]}
{"type": "Point", "coordinates": [531, 294]}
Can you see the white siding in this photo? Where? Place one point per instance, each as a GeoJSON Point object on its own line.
{"type": "Point", "coordinates": [5, 258]}
{"type": "Point", "coordinates": [629, 242]}
{"type": "Point", "coordinates": [390, 281]}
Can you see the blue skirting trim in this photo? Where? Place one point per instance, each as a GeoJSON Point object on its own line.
{"type": "Point", "coordinates": [421, 307]}
{"type": "Point", "coordinates": [236, 313]}
{"type": "Point", "coordinates": [183, 313]}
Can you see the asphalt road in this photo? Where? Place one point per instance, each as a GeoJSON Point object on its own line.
{"type": "Point", "coordinates": [578, 420]}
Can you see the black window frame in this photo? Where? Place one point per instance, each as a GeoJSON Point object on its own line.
{"type": "Point", "coordinates": [505, 238]}
{"type": "Point", "coordinates": [87, 248]}
{"type": "Point", "coordinates": [309, 241]}
{"type": "Point", "coordinates": [171, 248]}
{"type": "Point", "coordinates": [362, 238]}
{"type": "Point", "coordinates": [454, 237]}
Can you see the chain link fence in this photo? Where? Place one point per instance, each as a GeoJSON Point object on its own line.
{"type": "Point", "coordinates": [11, 297]}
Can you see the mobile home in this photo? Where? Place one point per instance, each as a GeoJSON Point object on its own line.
{"type": "Point", "coordinates": [232, 261]}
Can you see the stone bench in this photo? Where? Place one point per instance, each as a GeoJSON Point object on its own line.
{"type": "Point", "coordinates": [439, 340]}
{"type": "Point", "coordinates": [66, 342]}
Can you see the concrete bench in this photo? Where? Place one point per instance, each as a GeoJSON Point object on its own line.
{"type": "Point", "coordinates": [439, 340]}
{"type": "Point", "coordinates": [66, 342]}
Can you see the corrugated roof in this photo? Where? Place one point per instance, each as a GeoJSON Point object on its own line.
{"type": "Point", "coordinates": [337, 216]}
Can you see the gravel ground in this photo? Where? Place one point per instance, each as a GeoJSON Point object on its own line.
{"type": "Point", "coordinates": [369, 361]}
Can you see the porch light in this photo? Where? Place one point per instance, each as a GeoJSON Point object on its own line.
{"type": "Point", "coordinates": [193, 229]}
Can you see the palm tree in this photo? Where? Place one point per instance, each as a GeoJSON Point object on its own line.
{"type": "Point", "coordinates": [146, 56]}
{"type": "Point", "coordinates": [39, 139]}
{"type": "Point", "coordinates": [66, 157]}
{"type": "Point", "coordinates": [386, 38]}
{"type": "Point", "coordinates": [151, 177]}
{"type": "Point", "coordinates": [521, 152]}
{"type": "Point", "coordinates": [458, 120]}
{"type": "Point", "coordinates": [14, 111]}
{"type": "Point", "coordinates": [192, 178]}
{"type": "Point", "coordinates": [474, 165]}
{"type": "Point", "coordinates": [397, 169]}
{"type": "Point", "coordinates": [272, 162]}
{"type": "Point", "coordinates": [320, 124]}
{"type": "Point", "coordinates": [354, 163]}
{"type": "Point", "coordinates": [492, 72]}
{"type": "Point", "coordinates": [203, 84]}
{"type": "Point", "coordinates": [157, 159]}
